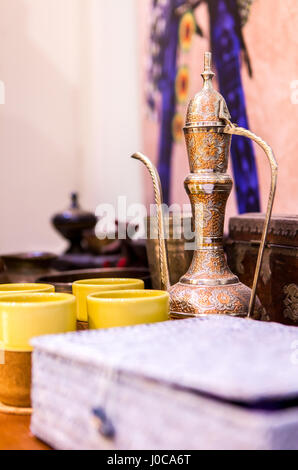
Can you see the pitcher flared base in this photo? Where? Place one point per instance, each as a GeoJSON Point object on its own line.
{"type": "Point", "coordinates": [193, 301]}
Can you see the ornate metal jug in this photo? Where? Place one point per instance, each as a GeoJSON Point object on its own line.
{"type": "Point", "coordinates": [209, 286]}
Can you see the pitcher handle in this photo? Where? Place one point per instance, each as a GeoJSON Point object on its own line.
{"type": "Point", "coordinates": [234, 130]}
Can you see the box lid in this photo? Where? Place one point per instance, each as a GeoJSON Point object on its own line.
{"type": "Point", "coordinates": [283, 229]}
{"type": "Point", "coordinates": [233, 359]}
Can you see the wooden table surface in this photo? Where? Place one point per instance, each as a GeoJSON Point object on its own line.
{"type": "Point", "coordinates": [15, 434]}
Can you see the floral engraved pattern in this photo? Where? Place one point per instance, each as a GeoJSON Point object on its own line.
{"type": "Point", "coordinates": [207, 105]}
{"type": "Point", "coordinates": [223, 300]}
{"type": "Point", "coordinates": [208, 150]}
{"type": "Point", "coordinates": [211, 263]}
{"type": "Point", "coordinates": [209, 214]}
{"type": "Point", "coordinates": [204, 107]}
{"type": "Point", "coordinates": [211, 148]}
{"type": "Point", "coordinates": [204, 112]}
{"type": "Point", "coordinates": [291, 302]}
{"type": "Point", "coordinates": [194, 300]}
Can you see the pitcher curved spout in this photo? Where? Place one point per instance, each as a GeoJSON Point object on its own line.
{"type": "Point", "coordinates": [209, 286]}
{"type": "Point", "coordinates": [164, 268]}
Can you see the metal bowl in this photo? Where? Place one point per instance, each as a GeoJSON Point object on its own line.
{"type": "Point", "coordinates": [26, 267]}
{"type": "Point", "coordinates": [63, 282]}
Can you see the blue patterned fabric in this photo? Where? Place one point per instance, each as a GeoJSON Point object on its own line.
{"type": "Point", "coordinates": [226, 50]}
{"type": "Point", "coordinates": [162, 74]}
{"type": "Point", "coordinates": [227, 43]}
{"type": "Point", "coordinates": [167, 87]}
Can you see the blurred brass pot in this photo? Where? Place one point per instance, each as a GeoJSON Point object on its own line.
{"type": "Point", "coordinates": [27, 267]}
{"type": "Point", "coordinates": [179, 258]}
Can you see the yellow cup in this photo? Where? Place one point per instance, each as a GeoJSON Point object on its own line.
{"type": "Point", "coordinates": [22, 317]}
{"type": "Point", "coordinates": [81, 289]}
{"type": "Point", "coordinates": [125, 308]}
{"type": "Point", "coordinates": [6, 289]}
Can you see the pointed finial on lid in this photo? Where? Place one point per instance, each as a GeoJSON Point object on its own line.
{"type": "Point", "coordinates": [207, 61]}
{"type": "Point", "coordinates": [207, 74]}
{"type": "Point", "coordinates": [208, 107]}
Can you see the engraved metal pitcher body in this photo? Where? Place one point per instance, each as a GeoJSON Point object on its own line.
{"type": "Point", "coordinates": [209, 286]}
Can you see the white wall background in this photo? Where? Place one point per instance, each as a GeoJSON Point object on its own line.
{"type": "Point", "coordinates": [70, 120]}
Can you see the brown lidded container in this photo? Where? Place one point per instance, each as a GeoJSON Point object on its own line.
{"type": "Point", "coordinates": [278, 283]}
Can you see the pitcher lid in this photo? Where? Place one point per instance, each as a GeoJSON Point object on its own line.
{"type": "Point", "coordinates": [208, 107]}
